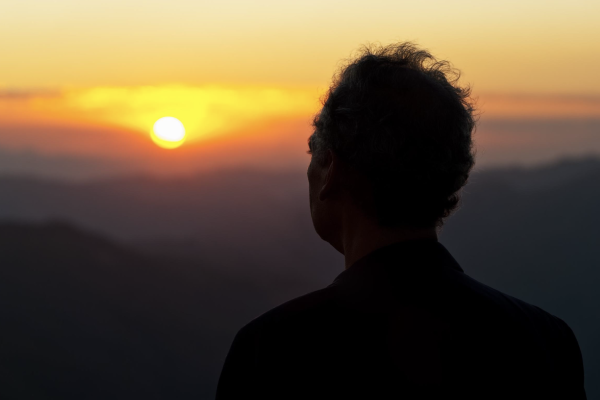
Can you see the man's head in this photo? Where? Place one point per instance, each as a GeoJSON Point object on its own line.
{"type": "Point", "coordinates": [396, 128]}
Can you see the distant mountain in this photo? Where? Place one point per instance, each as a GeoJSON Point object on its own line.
{"type": "Point", "coordinates": [232, 213]}
{"type": "Point", "coordinates": [69, 168]}
{"type": "Point", "coordinates": [530, 232]}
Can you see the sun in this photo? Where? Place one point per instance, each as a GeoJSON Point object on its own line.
{"type": "Point", "coordinates": [168, 132]}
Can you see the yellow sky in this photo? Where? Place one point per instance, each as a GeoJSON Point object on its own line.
{"type": "Point", "coordinates": [524, 46]}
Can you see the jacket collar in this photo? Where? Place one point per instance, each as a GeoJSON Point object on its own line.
{"type": "Point", "coordinates": [418, 257]}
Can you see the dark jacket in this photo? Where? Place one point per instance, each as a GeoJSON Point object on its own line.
{"type": "Point", "coordinates": [404, 322]}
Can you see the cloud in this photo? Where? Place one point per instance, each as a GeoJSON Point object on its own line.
{"type": "Point", "coordinates": [72, 168]}
{"type": "Point", "coordinates": [20, 94]}
{"type": "Point", "coordinates": [538, 106]}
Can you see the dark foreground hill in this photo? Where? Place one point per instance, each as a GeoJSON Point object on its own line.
{"type": "Point", "coordinates": [217, 249]}
{"type": "Point", "coordinates": [84, 318]}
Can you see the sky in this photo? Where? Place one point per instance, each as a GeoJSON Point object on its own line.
{"type": "Point", "coordinates": [87, 80]}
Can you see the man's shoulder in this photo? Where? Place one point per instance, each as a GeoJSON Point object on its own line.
{"type": "Point", "coordinates": [504, 308]}
{"type": "Point", "coordinates": [300, 308]}
{"type": "Point", "coordinates": [558, 347]}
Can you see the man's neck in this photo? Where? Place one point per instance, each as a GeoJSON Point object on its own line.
{"type": "Point", "coordinates": [362, 239]}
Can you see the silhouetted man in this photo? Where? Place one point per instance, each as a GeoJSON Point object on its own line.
{"type": "Point", "coordinates": [390, 151]}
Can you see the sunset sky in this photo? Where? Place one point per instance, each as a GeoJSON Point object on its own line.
{"type": "Point", "coordinates": [87, 80]}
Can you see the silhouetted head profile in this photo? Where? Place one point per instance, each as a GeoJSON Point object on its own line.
{"type": "Point", "coordinates": [392, 144]}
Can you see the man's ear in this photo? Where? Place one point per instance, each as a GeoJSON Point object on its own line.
{"type": "Point", "coordinates": [331, 172]}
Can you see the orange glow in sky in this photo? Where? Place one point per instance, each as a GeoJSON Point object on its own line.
{"type": "Point", "coordinates": [224, 125]}
{"type": "Point", "coordinates": [205, 111]}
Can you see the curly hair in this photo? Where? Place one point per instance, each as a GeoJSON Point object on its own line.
{"type": "Point", "coordinates": [397, 115]}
